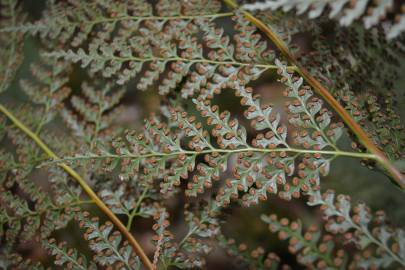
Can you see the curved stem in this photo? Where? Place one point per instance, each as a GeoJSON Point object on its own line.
{"type": "Point", "coordinates": [322, 91]}
{"type": "Point", "coordinates": [131, 239]}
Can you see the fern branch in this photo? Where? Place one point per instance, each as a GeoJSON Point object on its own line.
{"type": "Point", "coordinates": [321, 90]}
{"type": "Point", "coordinates": [357, 221]}
{"type": "Point", "coordinates": [217, 150]}
{"type": "Point", "coordinates": [43, 211]}
{"type": "Point", "coordinates": [69, 257]}
{"type": "Point", "coordinates": [82, 56]}
{"type": "Point", "coordinates": [307, 245]}
{"type": "Point", "coordinates": [137, 248]}
{"type": "Point", "coordinates": [195, 226]}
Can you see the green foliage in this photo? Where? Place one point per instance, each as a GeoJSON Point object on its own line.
{"type": "Point", "coordinates": [224, 138]}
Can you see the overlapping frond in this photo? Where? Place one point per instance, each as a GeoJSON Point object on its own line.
{"type": "Point", "coordinates": [346, 12]}
{"type": "Point", "coordinates": [49, 89]}
{"type": "Point", "coordinates": [92, 115]}
{"type": "Point", "coordinates": [355, 54]}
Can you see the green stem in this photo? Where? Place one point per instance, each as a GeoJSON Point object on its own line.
{"type": "Point", "coordinates": [134, 212]}
{"type": "Point", "coordinates": [137, 248]}
{"type": "Point", "coordinates": [43, 118]}
{"type": "Point", "coordinates": [152, 18]}
{"type": "Point", "coordinates": [335, 153]}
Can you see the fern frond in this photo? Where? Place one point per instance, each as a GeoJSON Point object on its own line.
{"type": "Point", "coordinates": [123, 59]}
{"type": "Point", "coordinates": [68, 257]}
{"type": "Point", "coordinates": [29, 211]}
{"type": "Point", "coordinates": [13, 260]}
{"type": "Point", "coordinates": [108, 246]}
{"type": "Point", "coordinates": [96, 112]}
{"type": "Point", "coordinates": [379, 245]}
{"type": "Point", "coordinates": [50, 90]}
{"type": "Point", "coordinates": [34, 212]}
{"type": "Point", "coordinates": [203, 225]}
{"type": "Point", "coordinates": [40, 144]}
{"type": "Point", "coordinates": [254, 259]}
{"type": "Point", "coordinates": [149, 156]}
{"type": "Point", "coordinates": [162, 238]}
{"type": "Point", "coordinates": [321, 90]}
{"type": "Point", "coordinates": [370, 103]}
{"type": "Point", "coordinates": [313, 249]}
{"type": "Point", "coordinates": [72, 22]}
{"type": "Point", "coordinates": [360, 226]}
{"type": "Point", "coordinates": [346, 12]}
{"type": "Point", "coordinates": [188, 253]}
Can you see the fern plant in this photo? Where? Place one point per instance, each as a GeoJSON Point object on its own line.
{"type": "Point", "coordinates": [84, 186]}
